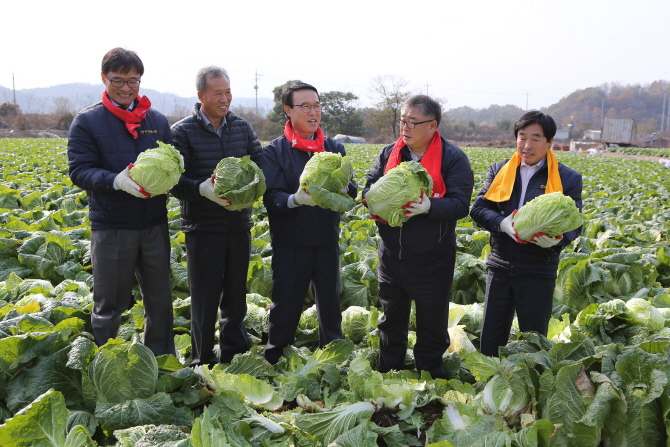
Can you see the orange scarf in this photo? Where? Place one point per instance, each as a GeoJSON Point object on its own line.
{"type": "Point", "coordinates": [298, 142]}
{"type": "Point", "coordinates": [502, 186]}
{"type": "Point", "coordinates": [133, 117]}
{"type": "Point", "coordinates": [431, 160]}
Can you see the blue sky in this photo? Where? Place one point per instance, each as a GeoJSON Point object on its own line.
{"type": "Point", "coordinates": [472, 53]}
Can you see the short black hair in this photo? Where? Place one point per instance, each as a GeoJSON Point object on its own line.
{"type": "Point", "coordinates": [536, 117]}
{"type": "Point", "coordinates": [428, 106]}
{"type": "Point", "coordinates": [287, 92]}
{"type": "Point", "coordinates": [122, 61]}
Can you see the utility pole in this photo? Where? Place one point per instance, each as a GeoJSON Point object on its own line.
{"type": "Point", "coordinates": [602, 111]}
{"type": "Point", "coordinates": [427, 85]}
{"type": "Point", "coordinates": [526, 101]}
{"type": "Point", "coordinates": [663, 115]}
{"type": "Point", "coordinates": [13, 89]}
{"type": "Point", "coordinates": [256, 88]}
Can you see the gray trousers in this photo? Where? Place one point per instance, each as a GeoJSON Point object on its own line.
{"type": "Point", "coordinates": [119, 255]}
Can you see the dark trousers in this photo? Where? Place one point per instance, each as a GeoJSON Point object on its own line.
{"type": "Point", "coordinates": [117, 256]}
{"type": "Point", "coordinates": [217, 276]}
{"type": "Point", "coordinates": [293, 270]}
{"type": "Point", "coordinates": [531, 297]}
{"type": "Point", "coordinates": [428, 282]}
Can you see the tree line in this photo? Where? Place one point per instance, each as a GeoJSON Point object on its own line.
{"type": "Point", "coordinates": [342, 113]}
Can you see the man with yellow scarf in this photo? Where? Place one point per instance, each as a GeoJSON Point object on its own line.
{"type": "Point", "coordinates": [522, 274]}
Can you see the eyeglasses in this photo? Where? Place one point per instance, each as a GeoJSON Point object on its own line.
{"type": "Point", "coordinates": [307, 107]}
{"type": "Point", "coordinates": [411, 124]}
{"type": "Point", "coordinates": [118, 83]}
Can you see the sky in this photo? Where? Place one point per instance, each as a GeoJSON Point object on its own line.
{"type": "Point", "coordinates": [467, 53]}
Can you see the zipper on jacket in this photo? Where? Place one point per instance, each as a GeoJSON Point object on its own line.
{"type": "Point", "coordinates": [400, 242]}
{"type": "Point", "coordinates": [442, 234]}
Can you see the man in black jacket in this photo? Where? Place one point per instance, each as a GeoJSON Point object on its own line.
{"type": "Point", "coordinates": [129, 232]}
{"type": "Point", "coordinates": [416, 261]}
{"type": "Point", "coordinates": [522, 274]}
{"type": "Point", "coordinates": [218, 241]}
{"type": "Point", "coordinates": [305, 237]}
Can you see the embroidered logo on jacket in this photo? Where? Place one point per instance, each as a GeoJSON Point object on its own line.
{"type": "Point", "coordinates": [148, 131]}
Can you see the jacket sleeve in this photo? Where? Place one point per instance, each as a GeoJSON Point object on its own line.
{"type": "Point", "coordinates": [254, 148]}
{"type": "Point", "coordinates": [459, 182]}
{"type": "Point", "coordinates": [277, 192]}
{"type": "Point", "coordinates": [187, 188]}
{"type": "Point", "coordinates": [574, 191]}
{"type": "Point", "coordinates": [483, 211]}
{"type": "Point", "coordinates": [84, 159]}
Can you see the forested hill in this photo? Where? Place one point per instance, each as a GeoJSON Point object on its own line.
{"type": "Point", "coordinates": [583, 108]}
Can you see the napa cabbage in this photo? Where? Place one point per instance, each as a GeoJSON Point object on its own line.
{"type": "Point", "coordinates": [642, 312]}
{"type": "Point", "coordinates": [158, 170]}
{"type": "Point", "coordinates": [325, 176]}
{"type": "Point", "coordinates": [239, 180]}
{"type": "Point", "coordinates": [400, 185]}
{"type": "Point", "coordinates": [552, 214]}
{"type": "Point", "coordinates": [505, 396]}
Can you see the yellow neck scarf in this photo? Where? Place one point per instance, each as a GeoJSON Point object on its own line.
{"type": "Point", "coordinates": [503, 184]}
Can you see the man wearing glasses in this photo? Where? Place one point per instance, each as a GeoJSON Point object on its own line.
{"type": "Point", "coordinates": [218, 241]}
{"type": "Point", "coordinates": [129, 230]}
{"type": "Point", "coordinates": [305, 237]}
{"type": "Point", "coordinates": [416, 260]}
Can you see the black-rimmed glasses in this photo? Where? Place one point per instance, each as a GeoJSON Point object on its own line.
{"type": "Point", "coordinates": [118, 83]}
{"type": "Point", "coordinates": [411, 124]}
{"type": "Point", "coordinates": [306, 107]}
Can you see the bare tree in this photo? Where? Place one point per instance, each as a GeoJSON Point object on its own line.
{"type": "Point", "coordinates": [388, 91]}
{"type": "Point", "coordinates": [29, 99]}
{"type": "Point", "coordinates": [42, 103]}
{"type": "Point", "coordinates": [62, 105]}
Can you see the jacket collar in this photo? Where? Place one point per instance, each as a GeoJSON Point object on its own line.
{"type": "Point", "coordinates": [230, 117]}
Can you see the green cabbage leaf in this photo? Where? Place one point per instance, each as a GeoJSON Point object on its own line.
{"type": "Point", "coordinates": [400, 185]}
{"type": "Point", "coordinates": [158, 170]}
{"type": "Point", "coordinates": [325, 176]}
{"type": "Point", "coordinates": [552, 214]}
{"type": "Point", "coordinates": [239, 180]}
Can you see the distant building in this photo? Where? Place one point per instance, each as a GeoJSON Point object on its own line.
{"type": "Point", "coordinates": [592, 135]}
{"type": "Point", "coordinates": [562, 134]}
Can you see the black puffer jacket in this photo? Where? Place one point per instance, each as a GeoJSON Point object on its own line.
{"type": "Point", "coordinates": [99, 147]}
{"type": "Point", "coordinates": [202, 150]}
{"type": "Point", "coordinates": [434, 232]}
{"type": "Point", "coordinates": [508, 255]}
{"type": "Point", "coordinates": [302, 226]}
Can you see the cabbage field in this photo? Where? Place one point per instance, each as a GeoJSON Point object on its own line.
{"type": "Point", "coordinates": [601, 377]}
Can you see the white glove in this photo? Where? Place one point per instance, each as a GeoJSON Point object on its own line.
{"type": "Point", "coordinates": [302, 197]}
{"type": "Point", "coordinates": [415, 208]}
{"type": "Point", "coordinates": [507, 225]}
{"type": "Point", "coordinates": [123, 182]}
{"type": "Point", "coordinates": [545, 241]}
{"type": "Point", "coordinates": [207, 191]}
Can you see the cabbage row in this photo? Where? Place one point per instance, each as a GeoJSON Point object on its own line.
{"type": "Point", "coordinates": [600, 377]}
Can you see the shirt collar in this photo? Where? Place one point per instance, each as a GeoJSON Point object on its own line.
{"type": "Point", "coordinates": [208, 122]}
{"type": "Point", "coordinates": [129, 108]}
{"type": "Point", "coordinates": [538, 165]}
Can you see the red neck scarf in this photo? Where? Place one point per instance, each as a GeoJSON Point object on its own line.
{"type": "Point", "coordinates": [298, 142]}
{"type": "Point", "coordinates": [133, 117]}
{"type": "Point", "coordinates": [431, 160]}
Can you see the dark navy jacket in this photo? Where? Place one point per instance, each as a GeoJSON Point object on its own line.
{"type": "Point", "coordinates": [508, 255]}
{"type": "Point", "coordinates": [304, 226]}
{"type": "Point", "coordinates": [202, 150]}
{"type": "Point", "coordinates": [434, 232]}
{"type": "Point", "coordinates": [99, 147]}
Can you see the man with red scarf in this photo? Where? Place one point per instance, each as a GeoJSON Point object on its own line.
{"type": "Point", "coordinates": [129, 229]}
{"type": "Point", "coordinates": [305, 237]}
{"type": "Point", "coordinates": [416, 260]}
{"type": "Point", "coordinates": [522, 274]}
